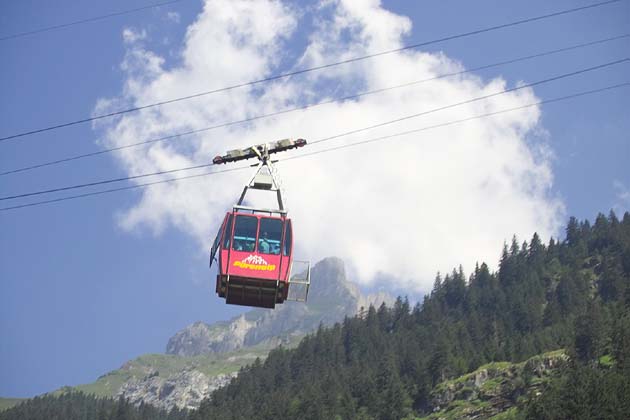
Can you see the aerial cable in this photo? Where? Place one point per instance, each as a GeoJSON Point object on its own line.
{"type": "Point", "coordinates": [313, 105]}
{"type": "Point", "coordinates": [550, 79]}
{"type": "Point", "coordinates": [108, 181]}
{"type": "Point", "coordinates": [330, 149]}
{"type": "Point", "coordinates": [311, 69]}
{"type": "Point", "coordinates": [449, 123]}
{"type": "Point", "coordinates": [87, 20]}
{"type": "Point", "coordinates": [129, 187]}
{"type": "Point", "coordinates": [480, 98]}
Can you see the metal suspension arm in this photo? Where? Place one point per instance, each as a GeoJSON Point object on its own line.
{"type": "Point", "coordinates": [264, 177]}
{"type": "Point", "coordinates": [259, 151]}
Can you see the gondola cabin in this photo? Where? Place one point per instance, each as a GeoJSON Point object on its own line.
{"type": "Point", "coordinates": [254, 246]}
{"type": "Point", "coordinates": [254, 258]}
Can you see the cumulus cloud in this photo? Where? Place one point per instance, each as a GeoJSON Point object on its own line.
{"type": "Point", "coordinates": [407, 207]}
{"type": "Point", "coordinates": [131, 35]}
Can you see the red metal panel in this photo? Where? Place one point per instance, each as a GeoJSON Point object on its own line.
{"type": "Point", "coordinates": [286, 262]}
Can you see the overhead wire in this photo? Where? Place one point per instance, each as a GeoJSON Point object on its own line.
{"type": "Point", "coordinates": [480, 98]}
{"type": "Point", "coordinates": [107, 181]}
{"type": "Point", "coordinates": [330, 149]}
{"type": "Point", "coordinates": [129, 187]}
{"type": "Point", "coordinates": [325, 139]}
{"type": "Point", "coordinates": [449, 123]}
{"type": "Point", "coordinates": [311, 69]}
{"type": "Point", "coordinates": [87, 20]}
{"type": "Point", "coordinates": [313, 105]}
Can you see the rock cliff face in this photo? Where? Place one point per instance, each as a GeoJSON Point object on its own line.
{"type": "Point", "coordinates": [184, 390]}
{"type": "Point", "coordinates": [493, 389]}
{"type": "Point", "coordinates": [331, 297]}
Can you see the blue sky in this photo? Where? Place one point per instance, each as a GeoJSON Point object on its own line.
{"type": "Point", "coordinates": [80, 293]}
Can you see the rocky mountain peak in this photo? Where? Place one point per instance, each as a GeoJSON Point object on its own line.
{"type": "Point", "coordinates": [329, 281]}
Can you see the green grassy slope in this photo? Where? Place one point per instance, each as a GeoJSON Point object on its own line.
{"type": "Point", "coordinates": [165, 365]}
{"type": "Point", "coordinates": [9, 402]}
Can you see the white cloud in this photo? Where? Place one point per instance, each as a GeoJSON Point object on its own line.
{"type": "Point", "coordinates": [409, 207]}
{"type": "Point", "coordinates": [131, 35]}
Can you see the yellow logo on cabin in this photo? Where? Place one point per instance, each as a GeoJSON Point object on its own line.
{"type": "Point", "coordinates": [254, 262]}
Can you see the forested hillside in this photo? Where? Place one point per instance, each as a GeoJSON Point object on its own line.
{"type": "Point", "coordinates": [393, 362]}
{"type": "Point", "coordinates": [572, 294]}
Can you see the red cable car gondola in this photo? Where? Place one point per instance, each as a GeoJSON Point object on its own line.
{"type": "Point", "coordinates": [254, 246]}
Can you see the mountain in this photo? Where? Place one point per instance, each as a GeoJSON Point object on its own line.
{"type": "Point", "coordinates": [202, 358]}
{"type": "Point", "coordinates": [331, 298]}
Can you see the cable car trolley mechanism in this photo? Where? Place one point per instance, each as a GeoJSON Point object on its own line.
{"type": "Point", "coordinates": [254, 246]}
